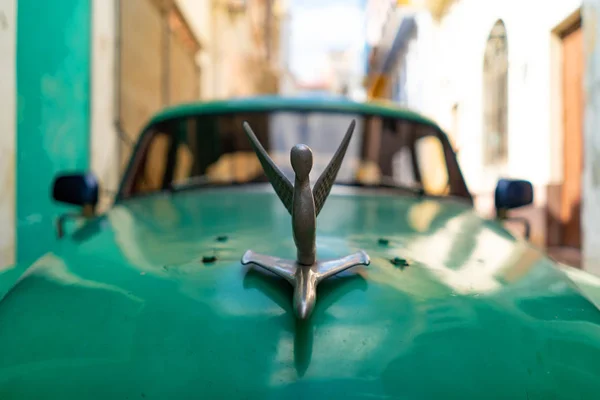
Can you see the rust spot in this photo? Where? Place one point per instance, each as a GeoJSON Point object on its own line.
{"type": "Point", "coordinates": [209, 259]}
{"type": "Point", "coordinates": [399, 262]}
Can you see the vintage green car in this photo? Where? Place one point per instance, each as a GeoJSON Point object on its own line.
{"type": "Point", "coordinates": [232, 266]}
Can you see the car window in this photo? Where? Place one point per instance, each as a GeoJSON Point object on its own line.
{"type": "Point", "coordinates": [154, 164]}
{"type": "Point", "coordinates": [402, 167]}
{"type": "Point", "coordinates": [184, 159]}
{"type": "Point", "coordinates": [215, 149]}
{"type": "Point", "coordinates": [431, 164]}
{"type": "Point", "coordinates": [323, 132]}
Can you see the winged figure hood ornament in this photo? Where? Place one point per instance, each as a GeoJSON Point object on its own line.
{"type": "Point", "coordinates": [304, 204]}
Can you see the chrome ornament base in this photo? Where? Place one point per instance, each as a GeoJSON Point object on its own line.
{"type": "Point", "coordinates": [305, 278]}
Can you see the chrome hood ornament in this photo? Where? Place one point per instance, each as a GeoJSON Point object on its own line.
{"type": "Point", "coordinates": [304, 204]}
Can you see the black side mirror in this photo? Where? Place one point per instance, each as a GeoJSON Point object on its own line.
{"type": "Point", "coordinates": [76, 189]}
{"type": "Point", "coordinates": [512, 193]}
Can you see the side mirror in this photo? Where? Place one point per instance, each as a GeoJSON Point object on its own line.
{"type": "Point", "coordinates": [75, 189]}
{"type": "Point", "coordinates": [513, 194]}
{"type": "Point", "coordinates": [509, 194]}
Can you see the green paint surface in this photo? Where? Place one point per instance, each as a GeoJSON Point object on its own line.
{"type": "Point", "coordinates": [126, 309]}
{"type": "Point", "coordinates": [53, 111]}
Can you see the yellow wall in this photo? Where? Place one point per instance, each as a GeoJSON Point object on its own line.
{"type": "Point", "coordinates": [378, 88]}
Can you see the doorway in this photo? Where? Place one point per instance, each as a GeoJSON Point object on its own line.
{"type": "Point", "coordinates": [573, 106]}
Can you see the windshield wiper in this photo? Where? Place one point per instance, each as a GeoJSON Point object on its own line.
{"type": "Point", "coordinates": [416, 190]}
{"type": "Point", "coordinates": [203, 181]}
{"type": "Point", "coordinates": [388, 183]}
{"type": "Point", "coordinates": [196, 182]}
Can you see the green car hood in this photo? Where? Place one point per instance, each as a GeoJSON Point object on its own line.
{"type": "Point", "coordinates": [134, 306]}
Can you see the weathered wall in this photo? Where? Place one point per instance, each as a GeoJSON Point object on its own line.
{"type": "Point", "coordinates": [53, 111]}
{"type": "Point", "coordinates": [8, 22]}
{"type": "Point", "coordinates": [142, 68]}
{"type": "Point", "coordinates": [104, 141]}
{"type": "Point", "coordinates": [233, 51]}
{"type": "Point", "coordinates": [156, 64]}
{"type": "Point", "coordinates": [59, 111]}
{"type": "Point", "coordinates": [184, 85]}
{"type": "Point", "coordinates": [452, 95]}
{"type": "Point", "coordinates": [286, 80]}
{"type": "Point", "coordinates": [199, 16]}
{"type": "Point", "coordinates": [591, 174]}
{"type": "Point", "coordinates": [530, 84]}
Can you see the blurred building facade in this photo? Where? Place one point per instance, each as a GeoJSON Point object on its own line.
{"type": "Point", "coordinates": [245, 48]}
{"type": "Point", "coordinates": [336, 66]}
{"type": "Point", "coordinates": [84, 93]}
{"type": "Point", "coordinates": [591, 140]}
{"type": "Point", "coordinates": [8, 123]}
{"type": "Point", "coordinates": [90, 75]}
{"type": "Point", "coordinates": [508, 90]}
{"type": "Point", "coordinates": [346, 71]}
{"type": "Point", "coordinates": [287, 81]}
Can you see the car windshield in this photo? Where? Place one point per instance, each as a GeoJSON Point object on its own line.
{"type": "Point", "coordinates": [213, 149]}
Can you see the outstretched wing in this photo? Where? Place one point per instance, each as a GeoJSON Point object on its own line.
{"type": "Point", "coordinates": [325, 182]}
{"type": "Point", "coordinates": [283, 187]}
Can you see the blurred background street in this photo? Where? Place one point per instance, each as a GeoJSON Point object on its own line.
{"type": "Point", "coordinates": [514, 83]}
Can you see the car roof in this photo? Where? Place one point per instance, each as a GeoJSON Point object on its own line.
{"type": "Point", "coordinates": [293, 103]}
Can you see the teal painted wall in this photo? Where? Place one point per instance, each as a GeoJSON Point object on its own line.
{"type": "Point", "coordinates": [53, 112]}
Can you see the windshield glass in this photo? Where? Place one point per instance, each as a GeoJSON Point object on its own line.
{"type": "Point", "coordinates": [213, 149]}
